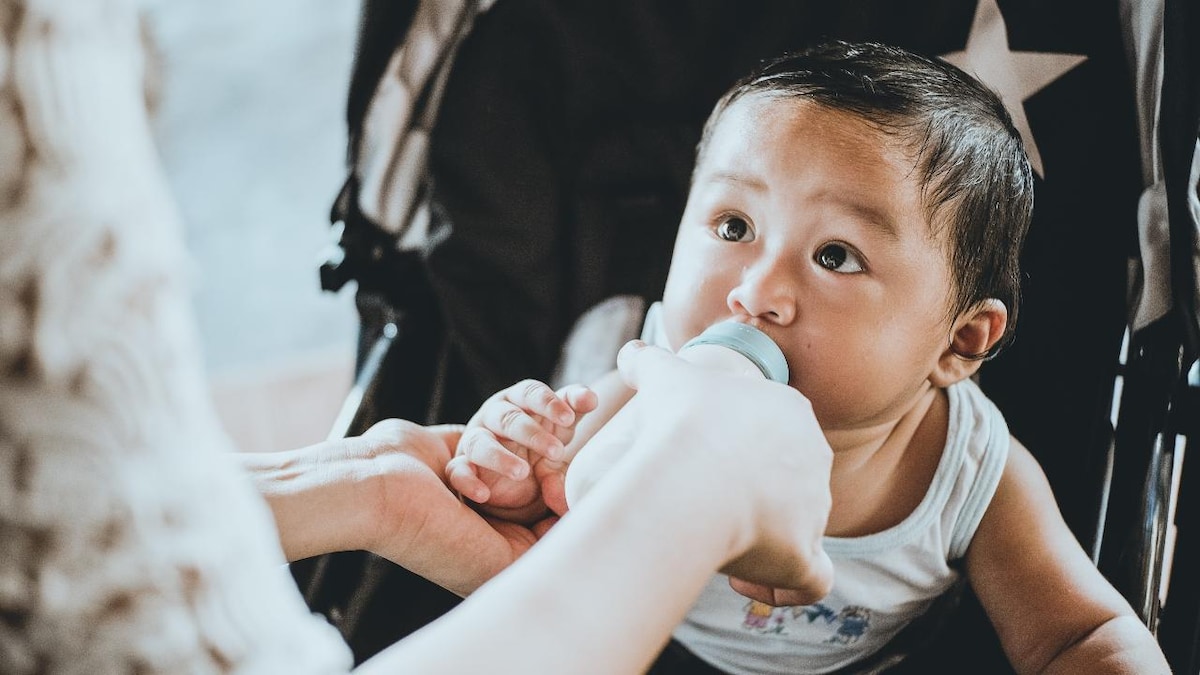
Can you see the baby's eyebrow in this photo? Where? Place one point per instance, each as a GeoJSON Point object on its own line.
{"type": "Point", "coordinates": [738, 179]}
{"type": "Point", "coordinates": [873, 218]}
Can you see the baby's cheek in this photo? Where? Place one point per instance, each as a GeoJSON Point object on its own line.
{"type": "Point", "coordinates": [684, 316]}
{"type": "Point", "coordinates": [675, 329]}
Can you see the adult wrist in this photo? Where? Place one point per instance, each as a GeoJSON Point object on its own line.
{"type": "Point", "coordinates": [704, 495]}
{"type": "Point", "coordinates": [357, 489]}
{"type": "Point", "coordinates": [316, 495]}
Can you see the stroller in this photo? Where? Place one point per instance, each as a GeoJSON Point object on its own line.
{"type": "Point", "coordinates": [518, 168]}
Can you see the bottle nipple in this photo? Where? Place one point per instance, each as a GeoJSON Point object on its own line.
{"type": "Point", "coordinates": [750, 342]}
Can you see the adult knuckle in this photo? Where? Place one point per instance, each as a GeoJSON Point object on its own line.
{"type": "Point", "coordinates": [392, 426]}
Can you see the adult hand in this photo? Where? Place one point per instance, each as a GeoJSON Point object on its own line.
{"type": "Point", "coordinates": [754, 447]}
{"type": "Point", "coordinates": [383, 492]}
{"type": "Point", "coordinates": [421, 524]}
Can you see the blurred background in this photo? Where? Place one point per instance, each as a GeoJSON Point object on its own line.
{"type": "Point", "coordinates": [252, 134]}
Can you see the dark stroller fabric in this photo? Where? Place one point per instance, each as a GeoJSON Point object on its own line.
{"type": "Point", "coordinates": [559, 167]}
{"type": "Point", "coordinates": [561, 159]}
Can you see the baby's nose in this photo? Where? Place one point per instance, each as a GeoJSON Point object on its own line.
{"type": "Point", "coordinates": [764, 292]}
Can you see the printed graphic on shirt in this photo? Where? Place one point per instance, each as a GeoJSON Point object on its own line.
{"type": "Point", "coordinates": [763, 618]}
{"type": "Point", "coordinates": [844, 627]}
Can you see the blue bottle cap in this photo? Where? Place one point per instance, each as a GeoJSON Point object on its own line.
{"type": "Point", "coordinates": [749, 342]}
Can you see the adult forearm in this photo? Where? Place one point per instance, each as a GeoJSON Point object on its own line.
{"type": "Point", "coordinates": [316, 497]}
{"type": "Point", "coordinates": [1120, 646]}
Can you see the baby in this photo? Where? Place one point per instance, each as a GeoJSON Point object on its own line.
{"type": "Point", "coordinates": [864, 207]}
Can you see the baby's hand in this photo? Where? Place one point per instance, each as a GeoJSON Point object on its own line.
{"type": "Point", "coordinates": [515, 444]}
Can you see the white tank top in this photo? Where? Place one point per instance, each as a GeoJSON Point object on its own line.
{"type": "Point", "coordinates": [882, 581]}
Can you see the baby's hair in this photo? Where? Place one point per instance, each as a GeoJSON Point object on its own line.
{"type": "Point", "coordinates": [970, 157]}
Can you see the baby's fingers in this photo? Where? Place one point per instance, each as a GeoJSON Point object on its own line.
{"type": "Point", "coordinates": [506, 420]}
{"type": "Point", "coordinates": [553, 487]}
{"type": "Point", "coordinates": [460, 473]}
{"type": "Point", "coordinates": [580, 398]}
{"type": "Point", "coordinates": [582, 401]}
{"type": "Point", "coordinates": [538, 398]}
{"type": "Point", "coordinates": [479, 447]}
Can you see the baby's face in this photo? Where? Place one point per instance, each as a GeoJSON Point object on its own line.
{"type": "Point", "coordinates": [808, 223]}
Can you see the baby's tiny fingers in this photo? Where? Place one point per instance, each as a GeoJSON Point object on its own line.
{"type": "Point", "coordinates": [554, 492]}
{"type": "Point", "coordinates": [482, 449]}
{"type": "Point", "coordinates": [461, 476]}
{"type": "Point", "coordinates": [580, 398]}
{"type": "Point", "coordinates": [539, 399]}
{"type": "Point", "coordinates": [508, 421]}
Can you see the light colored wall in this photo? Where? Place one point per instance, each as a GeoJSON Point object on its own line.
{"type": "Point", "coordinates": [251, 129]}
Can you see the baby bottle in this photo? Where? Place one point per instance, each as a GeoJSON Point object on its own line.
{"type": "Point", "coordinates": [729, 346]}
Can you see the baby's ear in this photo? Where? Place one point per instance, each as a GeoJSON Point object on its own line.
{"type": "Point", "coordinates": [972, 336]}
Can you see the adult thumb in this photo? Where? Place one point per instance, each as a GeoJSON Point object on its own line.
{"type": "Point", "coordinates": [639, 362]}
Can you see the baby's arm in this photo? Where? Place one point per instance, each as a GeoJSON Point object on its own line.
{"type": "Point", "coordinates": [1053, 610]}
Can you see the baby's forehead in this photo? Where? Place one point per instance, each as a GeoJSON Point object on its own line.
{"type": "Point", "coordinates": [858, 160]}
{"type": "Point", "coordinates": [748, 114]}
{"type": "Point", "coordinates": [772, 122]}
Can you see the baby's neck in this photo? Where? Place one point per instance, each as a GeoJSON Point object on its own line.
{"type": "Point", "coordinates": [880, 472]}
{"type": "Point", "coordinates": [855, 446]}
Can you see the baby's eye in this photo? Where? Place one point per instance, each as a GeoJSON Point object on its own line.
{"type": "Point", "coordinates": [838, 258]}
{"type": "Point", "coordinates": [733, 228]}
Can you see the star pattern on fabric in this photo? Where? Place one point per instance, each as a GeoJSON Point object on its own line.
{"type": "Point", "coordinates": [1015, 76]}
